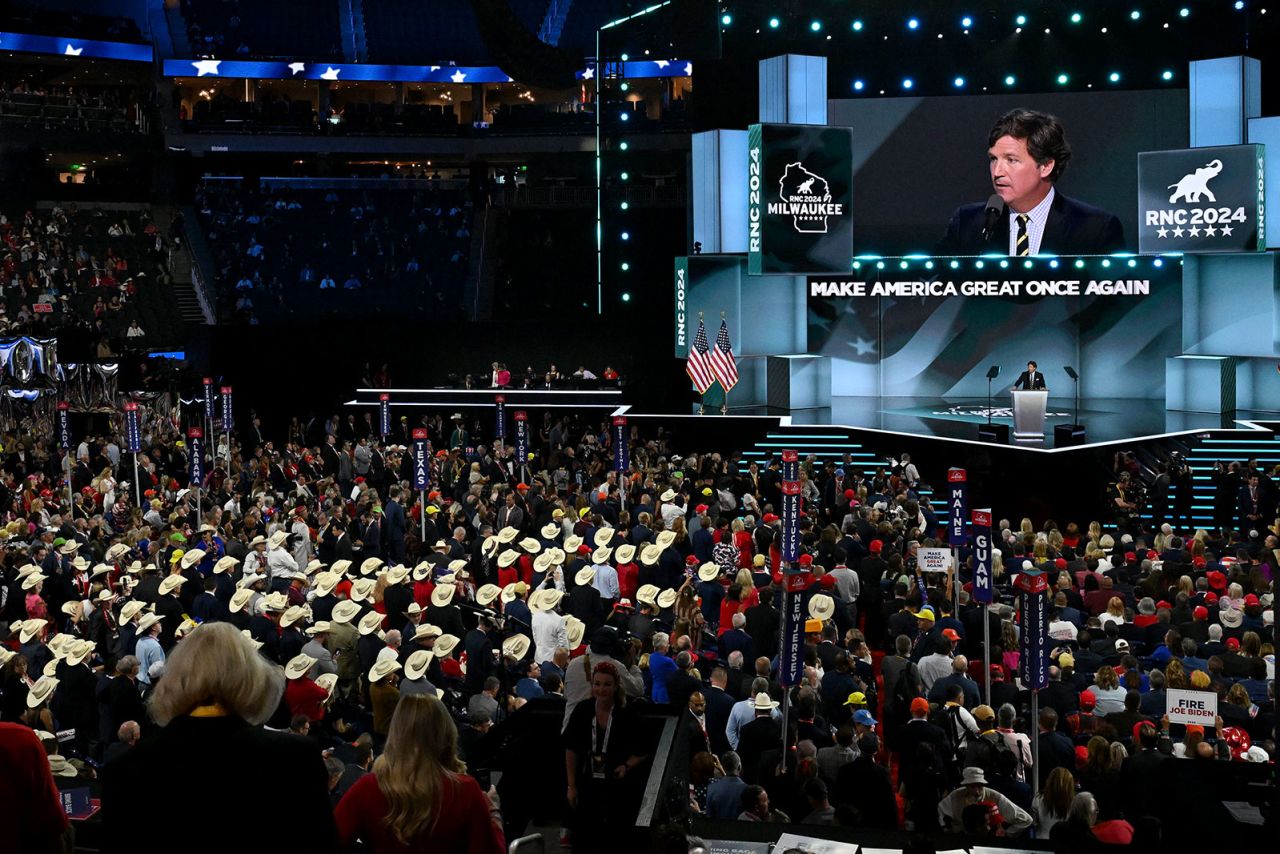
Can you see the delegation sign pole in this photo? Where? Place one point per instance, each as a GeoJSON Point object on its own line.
{"type": "Point", "coordinates": [982, 588]}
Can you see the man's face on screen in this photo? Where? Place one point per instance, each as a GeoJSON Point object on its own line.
{"type": "Point", "coordinates": [1016, 176]}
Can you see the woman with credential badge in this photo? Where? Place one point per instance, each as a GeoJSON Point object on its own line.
{"type": "Point", "coordinates": [602, 755]}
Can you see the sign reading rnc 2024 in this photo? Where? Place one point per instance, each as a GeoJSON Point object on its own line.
{"type": "Point", "coordinates": [799, 199]}
{"type": "Point", "coordinates": [1202, 200]}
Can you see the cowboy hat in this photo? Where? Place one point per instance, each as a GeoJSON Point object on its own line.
{"type": "Point", "coordinates": [549, 530]}
{"type": "Point", "coordinates": [669, 495]}
{"type": "Point", "coordinates": [132, 609]}
{"type": "Point", "coordinates": [60, 767]}
{"type": "Point", "coordinates": [74, 608]}
{"type": "Point", "coordinates": [487, 593]}
{"type": "Point", "coordinates": [327, 681]}
{"type": "Point", "coordinates": [116, 552]}
{"type": "Point", "coordinates": [426, 630]}
{"type": "Point", "coordinates": [647, 594]}
{"type": "Point", "coordinates": [489, 546]}
{"type": "Point", "coordinates": [299, 666]}
{"type": "Point", "coordinates": [508, 557]}
{"type": "Point", "coordinates": [28, 570]}
{"type": "Point", "coordinates": [79, 651]}
{"type": "Point", "coordinates": [147, 621]}
{"type": "Point", "coordinates": [320, 627]}
{"type": "Point", "coordinates": [370, 623]}
{"type": "Point", "coordinates": [278, 539]}
{"type": "Point", "coordinates": [292, 615]}
{"type": "Point", "coordinates": [530, 545]}
{"type": "Point", "coordinates": [442, 595]}
{"type": "Point", "coordinates": [507, 535]}
{"type": "Point", "coordinates": [665, 539]}
{"type": "Point", "coordinates": [584, 576]}
{"type": "Point", "coordinates": [51, 667]}
{"type": "Point", "coordinates": [601, 555]}
{"type": "Point", "coordinates": [571, 544]}
{"type": "Point", "coordinates": [32, 580]}
{"type": "Point", "coordinates": [822, 607]}
{"type": "Point", "coordinates": [709, 571]}
{"type": "Point", "coordinates": [257, 541]}
{"type": "Point", "coordinates": [192, 557]}
{"type": "Point", "coordinates": [137, 568]}
{"type": "Point", "coordinates": [340, 567]}
{"type": "Point", "coordinates": [275, 602]}
{"type": "Point", "coordinates": [324, 582]}
{"type": "Point", "coordinates": [416, 666]}
{"type": "Point", "coordinates": [313, 565]}
{"type": "Point", "coordinates": [370, 565]}
{"type": "Point", "coordinates": [238, 600]}
{"type": "Point", "coordinates": [545, 600]}
{"type": "Point", "coordinates": [345, 612]}
{"type": "Point", "coordinates": [397, 574]}
{"type": "Point", "coordinates": [362, 590]}
{"type": "Point", "coordinates": [542, 562]}
{"type": "Point", "coordinates": [30, 628]}
{"type": "Point", "coordinates": [557, 556]}
{"type": "Point", "coordinates": [516, 647]}
{"type": "Point", "coordinates": [625, 553]}
{"type": "Point", "coordinates": [257, 644]}
{"type": "Point", "coordinates": [666, 598]}
{"type": "Point", "coordinates": [382, 669]}
{"type": "Point", "coordinates": [445, 645]}
{"type": "Point", "coordinates": [41, 691]}
{"type": "Point", "coordinates": [762, 701]}
{"type": "Point", "coordinates": [575, 629]}
{"type": "Point", "coordinates": [458, 566]}
{"type": "Point", "coordinates": [650, 554]}
{"type": "Point", "coordinates": [1231, 618]}
{"type": "Point", "coordinates": [224, 564]}
{"type": "Point", "coordinates": [171, 583]}
{"type": "Point", "coordinates": [105, 595]}
{"type": "Point", "coordinates": [68, 548]}
{"type": "Point", "coordinates": [100, 569]}
{"type": "Point", "coordinates": [603, 537]}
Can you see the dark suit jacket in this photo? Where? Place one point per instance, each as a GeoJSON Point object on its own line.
{"type": "Point", "coordinates": [719, 706]}
{"type": "Point", "coordinates": [1072, 228]}
{"type": "Point", "coordinates": [754, 739]}
{"type": "Point", "coordinates": [1024, 380]}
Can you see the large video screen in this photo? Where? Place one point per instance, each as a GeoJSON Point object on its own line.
{"type": "Point", "coordinates": [918, 160]}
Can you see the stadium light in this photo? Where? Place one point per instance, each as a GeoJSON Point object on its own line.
{"type": "Point", "coordinates": [815, 26]}
{"type": "Point", "coordinates": [958, 82]}
{"type": "Point", "coordinates": [1076, 17]}
{"type": "Point", "coordinates": [774, 23]}
{"type": "Point", "coordinates": [625, 266]}
{"type": "Point", "coordinates": [623, 146]}
{"type": "Point", "coordinates": [907, 83]}
{"type": "Point", "coordinates": [1021, 20]}
{"type": "Point", "coordinates": [1063, 79]}
{"type": "Point", "coordinates": [1135, 15]}
{"type": "Point", "coordinates": [1167, 75]}
{"type": "Point", "coordinates": [913, 23]}
{"type": "Point", "coordinates": [625, 86]}
{"type": "Point", "coordinates": [857, 26]}
{"type": "Point", "coordinates": [626, 235]}
{"type": "Point", "coordinates": [1114, 77]}
{"type": "Point", "coordinates": [1010, 80]}
{"type": "Point", "coordinates": [624, 176]}
{"type": "Point", "coordinates": [858, 85]}
{"type": "Point", "coordinates": [726, 19]}
{"type": "Point", "coordinates": [626, 296]}
{"type": "Point", "coordinates": [966, 22]}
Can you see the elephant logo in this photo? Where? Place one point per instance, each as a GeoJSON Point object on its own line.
{"type": "Point", "coordinates": [1191, 187]}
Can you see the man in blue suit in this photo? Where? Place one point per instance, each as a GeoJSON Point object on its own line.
{"type": "Point", "coordinates": [1028, 152]}
{"type": "Point", "coordinates": [395, 526]}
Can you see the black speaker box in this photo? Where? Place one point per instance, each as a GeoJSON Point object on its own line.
{"type": "Point", "coordinates": [997, 434]}
{"type": "Point", "coordinates": [1068, 435]}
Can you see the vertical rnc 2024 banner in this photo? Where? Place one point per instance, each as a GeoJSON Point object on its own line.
{"type": "Point", "coordinates": [799, 199]}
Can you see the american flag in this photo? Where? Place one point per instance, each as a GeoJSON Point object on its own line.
{"type": "Point", "coordinates": [698, 365]}
{"type": "Point", "coordinates": [722, 362]}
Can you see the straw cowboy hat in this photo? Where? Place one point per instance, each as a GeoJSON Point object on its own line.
{"type": "Point", "coordinates": [383, 669]}
{"type": "Point", "coordinates": [105, 595]}
{"type": "Point", "coordinates": [32, 580]}
{"type": "Point", "coordinates": [509, 591]}
{"type": "Point", "coordinates": [60, 767]}
{"type": "Point", "coordinates": [545, 600]}
{"type": "Point", "coordinates": [459, 567]}
{"type": "Point", "coordinates": [327, 681]}
{"type": "Point", "coordinates": [486, 594]}
{"type": "Point", "coordinates": [116, 552]}
{"type": "Point", "coordinates": [257, 644]}
{"type": "Point", "coordinates": [549, 530]}
{"type": "Point", "coordinates": [340, 567]}
{"type": "Point", "coordinates": [571, 544]}
{"type": "Point", "coordinates": [489, 546]}
{"type": "Point", "coordinates": [445, 645]}
{"type": "Point", "coordinates": [601, 555]}
{"type": "Point", "coordinates": [51, 667]}
{"type": "Point", "coordinates": [70, 547]}
{"type": "Point", "coordinates": [603, 537]}
{"type": "Point", "coordinates": [647, 594]}
{"type": "Point", "coordinates": [370, 623]}
{"type": "Point", "coordinates": [442, 595]}
{"type": "Point", "coordinates": [319, 627]}
{"type": "Point", "coordinates": [41, 691]}
{"type": "Point", "coordinates": [575, 628]}
{"type": "Point", "coordinates": [584, 576]}
{"type": "Point", "coordinates": [147, 621]}
{"type": "Point", "coordinates": [822, 607]}
{"type": "Point", "coordinates": [709, 571]}
{"type": "Point", "coordinates": [370, 565]}
{"type": "Point", "coordinates": [397, 574]}
{"type": "Point", "coordinates": [292, 615]}
{"type": "Point", "coordinates": [650, 554]}
{"type": "Point", "coordinates": [426, 630]}
{"type": "Point", "coordinates": [31, 628]}
{"type": "Point", "coordinates": [225, 564]}
{"type": "Point", "coordinates": [275, 602]}
{"type": "Point", "coordinates": [132, 609]}
{"type": "Point", "coordinates": [557, 556]}
{"type": "Point", "coordinates": [762, 701]}
{"type": "Point", "coordinates": [666, 598]}
{"type": "Point", "coordinates": [79, 651]}
{"type": "Point", "coordinates": [257, 541]}
{"type": "Point", "coordinates": [362, 590]}
{"type": "Point", "coordinates": [508, 557]}
{"type": "Point", "coordinates": [99, 569]}
{"type": "Point", "coordinates": [665, 539]}
{"type": "Point", "coordinates": [192, 557]}
{"type": "Point", "coordinates": [669, 495]}
{"type": "Point", "coordinates": [516, 647]}
{"type": "Point", "coordinates": [238, 600]}
{"type": "Point", "coordinates": [299, 666]}
{"type": "Point", "coordinates": [324, 582]}
{"type": "Point", "coordinates": [345, 612]}
{"type": "Point", "coordinates": [625, 553]}
{"type": "Point", "coordinates": [171, 583]}
{"type": "Point", "coordinates": [73, 609]}
{"type": "Point", "coordinates": [278, 539]}
{"type": "Point", "coordinates": [507, 535]}
{"type": "Point", "coordinates": [416, 666]}
{"type": "Point", "coordinates": [530, 545]}
{"type": "Point", "coordinates": [542, 562]}
{"type": "Point", "coordinates": [314, 565]}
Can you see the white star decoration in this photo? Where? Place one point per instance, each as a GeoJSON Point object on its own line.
{"type": "Point", "coordinates": [1226, 231]}
{"type": "Point", "coordinates": [588, 73]}
{"type": "Point", "coordinates": [206, 66]}
{"type": "Point", "coordinates": [297, 67]}
{"type": "Point", "coordinates": [330, 73]}
{"type": "Point", "coordinates": [661, 63]}
{"type": "Point", "coordinates": [457, 76]}
{"type": "Point", "coordinates": [1210, 232]}
{"type": "Point", "coordinates": [1162, 232]}
{"type": "Point", "coordinates": [863, 346]}
{"type": "Point", "coordinates": [1194, 231]}
{"type": "Point", "coordinates": [1177, 231]}
{"type": "Point", "coordinates": [434, 67]}
{"type": "Point", "coordinates": [688, 68]}
{"type": "Point", "coordinates": [73, 51]}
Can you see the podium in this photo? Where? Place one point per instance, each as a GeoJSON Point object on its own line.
{"type": "Point", "coordinates": [1028, 414]}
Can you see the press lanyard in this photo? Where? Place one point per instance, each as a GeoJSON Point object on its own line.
{"type": "Point", "coordinates": [596, 747]}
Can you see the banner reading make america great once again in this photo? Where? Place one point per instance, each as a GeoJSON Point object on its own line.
{"type": "Point", "coordinates": [799, 199]}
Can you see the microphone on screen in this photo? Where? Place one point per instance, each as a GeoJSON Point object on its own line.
{"type": "Point", "coordinates": [993, 212]}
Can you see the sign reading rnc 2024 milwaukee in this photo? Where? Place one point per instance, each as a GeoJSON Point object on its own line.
{"type": "Point", "coordinates": [1202, 200]}
{"type": "Point", "coordinates": [799, 199]}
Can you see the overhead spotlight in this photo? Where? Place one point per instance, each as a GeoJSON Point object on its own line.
{"type": "Point", "coordinates": [966, 22]}
{"type": "Point", "coordinates": [1021, 20]}
{"type": "Point", "coordinates": [1135, 15]}
{"type": "Point", "coordinates": [626, 235]}
{"type": "Point", "coordinates": [1076, 17]}
{"type": "Point", "coordinates": [913, 23]}
{"type": "Point", "coordinates": [726, 19]}
{"type": "Point", "coordinates": [958, 82]}
{"type": "Point", "coordinates": [1167, 75]}
{"type": "Point", "coordinates": [1114, 77]}
{"type": "Point", "coordinates": [626, 296]}
{"type": "Point", "coordinates": [815, 26]}
{"type": "Point", "coordinates": [1239, 5]}
{"type": "Point", "coordinates": [774, 23]}
{"type": "Point", "coordinates": [907, 83]}
{"type": "Point", "coordinates": [1010, 80]}
{"type": "Point", "coordinates": [858, 85]}
{"type": "Point", "coordinates": [857, 26]}
{"type": "Point", "coordinates": [1184, 12]}
{"type": "Point", "coordinates": [1063, 79]}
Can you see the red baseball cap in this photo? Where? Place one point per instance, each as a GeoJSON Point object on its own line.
{"type": "Point", "coordinates": [1060, 563]}
{"type": "Point", "coordinates": [1131, 557]}
{"type": "Point", "coordinates": [951, 634]}
{"type": "Point", "coordinates": [770, 518]}
{"type": "Point", "coordinates": [805, 560]}
{"type": "Point", "coordinates": [1082, 755]}
{"type": "Point", "coordinates": [1152, 555]}
{"type": "Point", "coordinates": [1211, 598]}
{"type": "Point", "coordinates": [1233, 643]}
{"type": "Point", "coordinates": [1200, 612]}
{"type": "Point", "coordinates": [876, 546]}
{"type": "Point", "coordinates": [1250, 599]}
{"type": "Point", "coordinates": [827, 581]}
{"type": "Point", "coordinates": [849, 493]}
{"type": "Point", "coordinates": [919, 706]}
{"type": "Point", "coordinates": [997, 671]}
{"type": "Point", "coordinates": [691, 560]}
{"type": "Point", "coordinates": [1088, 700]}
{"type": "Point", "coordinates": [1163, 604]}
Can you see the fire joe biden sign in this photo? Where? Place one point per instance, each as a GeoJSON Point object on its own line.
{"type": "Point", "coordinates": [799, 199]}
{"type": "Point", "coordinates": [1202, 200]}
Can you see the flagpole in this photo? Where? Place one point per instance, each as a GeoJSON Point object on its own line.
{"type": "Point", "coordinates": [702, 395]}
{"type": "Point", "coordinates": [724, 405]}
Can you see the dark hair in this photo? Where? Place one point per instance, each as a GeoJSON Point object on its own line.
{"type": "Point", "coordinates": [750, 797]}
{"type": "Point", "coordinates": [1042, 133]}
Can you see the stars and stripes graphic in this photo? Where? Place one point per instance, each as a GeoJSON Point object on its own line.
{"type": "Point", "coordinates": [698, 363]}
{"type": "Point", "coordinates": [722, 362]}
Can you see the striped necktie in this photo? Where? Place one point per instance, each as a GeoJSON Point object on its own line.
{"type": "Point", "coordinates": [1024, 239]}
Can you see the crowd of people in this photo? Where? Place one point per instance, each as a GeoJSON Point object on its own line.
{"type": "Point", "coordinates": [97, 271]}
{"type": "Point", "coordinates": [100, 109]}
{"type": "Point", "coordinates": [290, 252]}
{"type": "Point", "coordinates": [307, 613]}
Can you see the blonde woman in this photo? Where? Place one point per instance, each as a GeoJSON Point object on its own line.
{"type": "Point", "coordinates": [418, 797]}
{"type": "Point", "coordinates": [1114, 612]}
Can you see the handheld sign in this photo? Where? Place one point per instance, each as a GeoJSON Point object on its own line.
{"type": "Point", "coordinates": [1186, 706]}
{"type": "Point", "coordinates": [933, 560]}
{"type": "Point", "coordinates": [208, 398]}
{"type": "Point", "coordinates": [227, 420]}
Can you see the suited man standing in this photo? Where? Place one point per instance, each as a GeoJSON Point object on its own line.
{"type": "Point", "coordinates": [1031, 378]}
{"type": "Point", "coordinates": [1028, 152]}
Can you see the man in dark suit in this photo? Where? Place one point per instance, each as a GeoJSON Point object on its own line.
{"type": "Point", "coordinates": [719, 705]}
{"type": "Point", "coordinates": [1028, 153]}
{"type": "Point", "coordinates": [1031, 378]}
